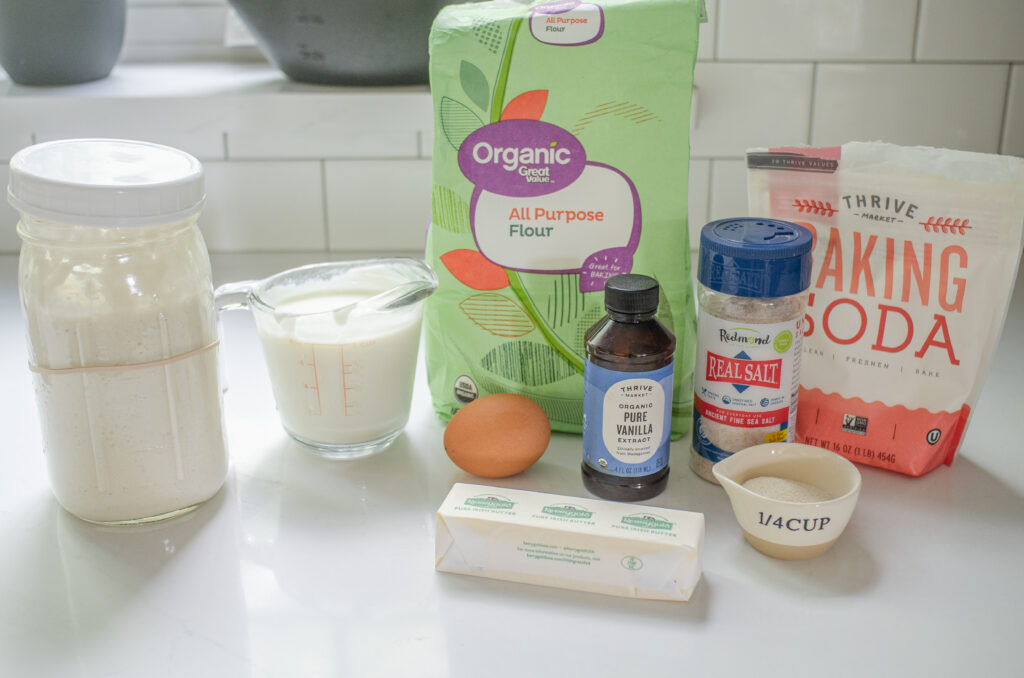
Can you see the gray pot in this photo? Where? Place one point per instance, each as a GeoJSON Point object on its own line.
{"type": "Point", "coordinates": [60, 42]}
{"type": "Point", "coordinates": [344, 42]}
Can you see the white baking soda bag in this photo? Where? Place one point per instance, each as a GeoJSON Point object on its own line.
{"type": "Point", "coordinates": [915, 254]}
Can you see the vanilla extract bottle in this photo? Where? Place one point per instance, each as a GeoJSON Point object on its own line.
{"type": "Point", "coordinates": [627, 394]}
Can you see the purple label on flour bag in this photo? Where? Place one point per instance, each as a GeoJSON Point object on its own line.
{"type": "Point", "coordinates": [522, 158]}
{"type": "Point", "coordinates": [557, 7]}
{"type": "Point", "coordinates": [539, 206]}
{"type": "Point", "coordinates": [600, 266]}
{"type": "Point", "coordinates": [567, 23]}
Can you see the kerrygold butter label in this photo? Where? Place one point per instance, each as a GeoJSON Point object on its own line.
{"type": "Point", "coordinates": [569, 542]}
{"type": "Point", "coordinates": [490, 501]}
{"type": "Point", "coordinates": [647, 521]}
{"type": "Point", "coordinates": [568, 511]}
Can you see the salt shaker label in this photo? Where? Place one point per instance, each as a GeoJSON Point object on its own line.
{"type": "Point", "coordinates": [745, 383]}
{"type": "Point", "coordinates": [627, 420]}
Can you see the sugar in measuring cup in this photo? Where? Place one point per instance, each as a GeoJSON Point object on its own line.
{"type": "Point", "coordinates": [341, 341]}
{"type": "Point", "coordinates": [791, 500]}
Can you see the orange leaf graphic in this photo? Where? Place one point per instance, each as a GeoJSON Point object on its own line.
{"type": "Point", "coordinates": [526, 106]}
{"type": "Point", "coordinates": [472, 269]}
{"type": "Point", "coordinates": [497, 314]}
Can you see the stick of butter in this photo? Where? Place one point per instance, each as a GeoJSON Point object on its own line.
{"type": "Point", "coordinates": [570, 543]}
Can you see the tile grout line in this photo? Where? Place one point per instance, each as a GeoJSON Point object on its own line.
{"type": "Point", "coordinates": [274, 252]}
{"type": "Point", "coordinates": [329, 158]}
{"type": "Point", "coordinates": [323, 203]}
{"type": "Point", "coordinates": [707, 206]}
{"type": "Point", "coordinates": [814, 94]}
{"type": "Point", "coordinates": [718, 16]}
{"type": "Point", "coordinates": [860, 62]}
{"type": "Point", "coordinates": [917, 30]}
{"type": "Point", "coordinates": [1006, 109]}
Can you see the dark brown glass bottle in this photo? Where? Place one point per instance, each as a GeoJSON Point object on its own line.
{"type": "Point", "coordinates": [627, 394]}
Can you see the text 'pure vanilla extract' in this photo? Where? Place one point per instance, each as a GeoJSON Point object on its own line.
{"type": "Point", "coordinates": [627, 394]}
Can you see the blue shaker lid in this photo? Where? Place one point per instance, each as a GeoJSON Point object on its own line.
{"type": "Point", "coordinates": [752, 257]}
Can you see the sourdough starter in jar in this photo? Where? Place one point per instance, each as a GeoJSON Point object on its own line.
{"type": "Point", "coordinates": [118, 302]}
{"type": "Point", "coordinates": [753, 275]}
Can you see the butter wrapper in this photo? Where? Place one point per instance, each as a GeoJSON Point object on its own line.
{"type": "Point", "coordinates": [606, 547]}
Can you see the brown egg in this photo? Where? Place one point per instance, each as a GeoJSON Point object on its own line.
{"type": "Point", "coordinates": [498, 435]}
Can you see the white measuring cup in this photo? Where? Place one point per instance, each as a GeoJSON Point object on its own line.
{"type": "Point", "coordinates": [341, 341]}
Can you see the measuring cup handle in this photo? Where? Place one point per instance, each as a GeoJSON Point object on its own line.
{"type": "Point", "coordinates": [233, 296]}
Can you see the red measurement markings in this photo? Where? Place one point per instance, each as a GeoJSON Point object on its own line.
{"type": "Point", "coordinates": [346, 370]}
{"type": "Point", "coordinates": [316, 380]}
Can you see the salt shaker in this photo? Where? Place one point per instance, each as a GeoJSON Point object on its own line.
{"type": "Point", "coordinates": [117, 297]}
{"type": "Point", "coordinates": [754, 275]}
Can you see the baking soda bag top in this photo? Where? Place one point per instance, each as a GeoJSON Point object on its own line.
{"type": "Point", "coordinates": [560, 159]}
{"type": "Point", "coordinates": [915, 254]}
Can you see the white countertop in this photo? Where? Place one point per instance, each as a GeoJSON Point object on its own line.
{"type": "Point", "coordinates": [305, 567]}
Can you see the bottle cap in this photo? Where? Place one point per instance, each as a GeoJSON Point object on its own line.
{"type": "Point", "coordinates": [752, 257]}
{"type": "Point", "coordinates": [106, 182]}
{"type": "Point", "coordinates": [631, 294]}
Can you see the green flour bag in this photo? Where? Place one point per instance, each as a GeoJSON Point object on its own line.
{"type": "Point", "coordinates": [561, 158]}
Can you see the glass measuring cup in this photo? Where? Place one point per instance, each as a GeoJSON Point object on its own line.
{"type": "Point", "coordinates": [341, 341]}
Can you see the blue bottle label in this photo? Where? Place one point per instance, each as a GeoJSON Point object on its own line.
{"type": "Point", "coordinates": [626, 420]}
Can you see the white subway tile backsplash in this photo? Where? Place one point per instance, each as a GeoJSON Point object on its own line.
{"type": "Point", "coordinates": [700, 185]}
{"type": "Point", "coordinates": [426, 142]}
{"type": "Point", "coordinates": [1013, 132]}
{"type": "Point", "coordinates": [328, 123]}
{"type": "Point", "coordinates": [236, 31]}
{"type": "Point", "coordinates": [812, 30]}
{"type": "Point", "coordinates": [397, 144]}
{"type": "Point", "coordinates": [9, 240]}
{"type": "Point", "coordinates": [174, 31]}
{"type": "Point", "coordinates": [189, 124]}
{"type": "Point", "coordinates": [264, 206]}
{"type": "Point", "coordinates": [325, 111]}
{"type": "Point", "coordinates": [728, 189]}
{"type": "Point", "coordinates": [203, 145]}
{"type": "Point", "coordinates": [378, 205]}
{"type": "Point", "coordinates": [11, 144]}
{"type": "Point", "coordinates": [195, 3]}
{"type": "Point", "coordinates": [746, 104]}
{"type": "Point", "coordinates": [778, 72]}
{"type": "Point", "coordinates": [153, 24]}
{"type": "Point", "coordinates": [949, 105]}
{"type": "Point", "coordinates": [177, 52]}
{"type": "Point", "coordinates": [708, 32]}
{"type": "Point", "coordinates": [978, 30]}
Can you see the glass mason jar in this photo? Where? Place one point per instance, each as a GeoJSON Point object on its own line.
{"type": "Point", "coordinates": [117, 297]}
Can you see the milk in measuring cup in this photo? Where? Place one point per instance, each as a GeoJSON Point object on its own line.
{"type": "Point", "coordinates": [340, 378]}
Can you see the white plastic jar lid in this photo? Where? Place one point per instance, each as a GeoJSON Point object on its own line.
{"type": "Point", "coordinates": [106, 182]}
